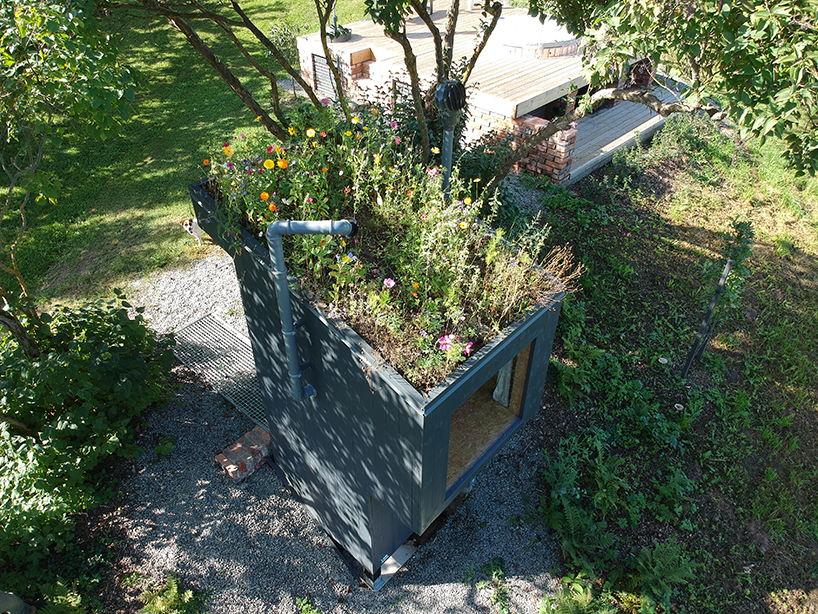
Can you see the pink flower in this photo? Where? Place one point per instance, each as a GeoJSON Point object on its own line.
{"type": "Point", "coordinates": [397, 140]}
{"type": "Point", "coordinates": [422, 216]}
{"type": "Point", "coordinates": [467, 349]}
{"type": "Point", "coordinates": [325, 101]}
{"type": "Point", "coordinates": [433, 172]}
{"type": "Point", "coordinates": [445, 343]}
{"type": "Point", "coordinates": [389, 282]}
{"type": "Point", "coordinates": [394, 124]}
{"type": "Point", "coordinates": [270, 149]}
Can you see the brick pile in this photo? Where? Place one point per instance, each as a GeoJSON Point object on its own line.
{"type": "Point", "coordinates": [245, 456]}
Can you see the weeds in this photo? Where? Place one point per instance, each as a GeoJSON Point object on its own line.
{"type": "Point", "coordinates": [669, 495]}
{"type": "Point", "coordinates": [170, 599]}
{"type": "Point", "coordinates": [500, 591]}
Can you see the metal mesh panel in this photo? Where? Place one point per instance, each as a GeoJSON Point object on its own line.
{"type": "Point", "coordinates": [224, 359]}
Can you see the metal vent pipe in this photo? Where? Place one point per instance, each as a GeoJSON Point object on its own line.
{"type": "Point", "coordinates": [347, 227]}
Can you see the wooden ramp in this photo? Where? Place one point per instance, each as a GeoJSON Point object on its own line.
{"type": "Point", "coordinates": [604, 132]}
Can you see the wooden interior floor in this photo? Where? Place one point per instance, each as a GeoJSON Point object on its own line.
{"type": "Point", "coordinates": [476, 424]}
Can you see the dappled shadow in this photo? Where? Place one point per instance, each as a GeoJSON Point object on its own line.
{"type": "Point", "coordinates": [131, 190]}
{"type": "Point", "coordinates": [254, 546]}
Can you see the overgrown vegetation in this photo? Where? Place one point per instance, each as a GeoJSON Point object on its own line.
{"type": "Point", "coordinates": [62, 415]}
{"type": "Point", "coordinates": [697, 495]}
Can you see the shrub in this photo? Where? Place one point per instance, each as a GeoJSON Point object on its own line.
{"type": "Point", "coordinates": [65, 412]}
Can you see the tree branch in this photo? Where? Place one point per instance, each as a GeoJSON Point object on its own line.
{"type": "Point", "coordinates": [228, 77]}
{"type": "Point", "coordinates": [448, 45]}
{"type": "Point", "coordinates": [323, 20]}
{"type": "Point", "coordinates": [263, 71]}
{"type": "Point", "coordinates": [280, 58]}
{"type": "Point", "coordinates": [496, 11]}
{"type": "Point", "coordinates": [19, 333]}
{"type": "Point", "coordinates": [420, 9]}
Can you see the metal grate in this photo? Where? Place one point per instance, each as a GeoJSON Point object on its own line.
{"type": "Point", "coordinates": [224, 359]}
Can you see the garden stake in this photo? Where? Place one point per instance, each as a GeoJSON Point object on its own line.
{"type": "Point", "coordinates": [706, 329]}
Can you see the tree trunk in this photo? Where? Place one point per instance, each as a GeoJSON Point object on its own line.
{"type": "Point", "coordinates": [20, 334]}
{"type": "Point", "coordinates": [411, 62]}
{"type": "Point", "coordinates": [245, 96]}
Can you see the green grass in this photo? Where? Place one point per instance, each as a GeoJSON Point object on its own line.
{"type": "Point", "coordinates": [724, 462]}
{"type": "Point", "coordinates": [118, 213]}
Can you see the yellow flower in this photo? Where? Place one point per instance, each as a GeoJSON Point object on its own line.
{"type": "Point", "coordinates": [356, 119]}
{"type": "Point", "coordinates": [377, 158]}
{"type": "Point", "coordinates": [310, 132]}
{"type": "Point", "coordinates": [345, 259]}
{"type": "Point", "coordinates": [366, 128]}
{"type": "Point", "coordinates": [258, 118]}
{"type": "Point", "coordinates": [358, 136]}
{"type": "Point", "coordinates": [477, 180]}
{"type": "Point", "coordinates": [467, 200]}
{"type": "Point", "coordinates": [435, 150]}
{"type": "Point", "coordinates": [268, 164]}
{"type": "Point", "coordinates": [291, 130]}
{"type": "Point", "coordinates": [314, 144]}
{"type": "Point", "coordinates": [282, 163]}
{"type": "Point", "coordinates": [265, 196]}
{"type": "Point", "coordinates": [343, 243]}
{"type": "Point", "coordinates": [228, 151]}
{"type": "Point", "coordinates": [416, 285]}
{"type": "Point", "coordinates": [348, 133]}
{"type": "Point", "coordinates": [464, 225]}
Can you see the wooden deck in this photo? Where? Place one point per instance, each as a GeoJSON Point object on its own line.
{"type": "Point", "coordinates": [604, 132]}
{"type": "Point", "coordinates": [512, 86]}
{"type": "Point", "coordinates": [506, 84]}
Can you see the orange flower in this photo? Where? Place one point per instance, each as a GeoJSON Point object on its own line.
{"type": "Point", "coordinates": [282, 163]}
{"type": "Point", "coordinates": [272, 207]}
{"type": "Point", "coordinates": [206, 162]}
{"type": "Point", "coordinates": [228, 151]}
{"type": "Point", "coordinates": [268, 164]}
{"type": "Point", "coordinates": [265, 196]}
{"type": "Point", "coordinates": [324, 170]}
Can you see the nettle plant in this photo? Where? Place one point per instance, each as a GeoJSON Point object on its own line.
{"type": "Point", "coordinates": [427, 280]}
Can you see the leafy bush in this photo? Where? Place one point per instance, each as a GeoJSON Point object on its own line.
{"type": "Point", "coordinates": [64, 413]}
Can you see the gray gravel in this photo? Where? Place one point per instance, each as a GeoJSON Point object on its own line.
{"type": "Point", "coordinates": [256, 549]}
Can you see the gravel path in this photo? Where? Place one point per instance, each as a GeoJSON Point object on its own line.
{"type": "Point", "coordinates": [256, 549]}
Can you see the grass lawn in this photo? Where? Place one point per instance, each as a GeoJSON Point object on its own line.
{"type": "Point", "coordinates": [703, 489]}
{"type": "Point", "coordinates": [118, 213]}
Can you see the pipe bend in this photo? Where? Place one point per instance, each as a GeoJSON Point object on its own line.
{"type": "Point", "coordinates": [347, 227]}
